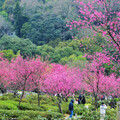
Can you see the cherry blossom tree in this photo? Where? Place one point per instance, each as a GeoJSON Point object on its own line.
{"type": "Point", "coordinates": [62, 81]}
{"type": "Point", "coordinates": [21, 71]}
{"type": "Point", "coordinates": [110, 85]}
{"type": "Point", "coordinates": [100, 16]}
{"type": "Point", "coordinates": [94, 76]}
{"type": "Point", "coordinates": [37, 79]}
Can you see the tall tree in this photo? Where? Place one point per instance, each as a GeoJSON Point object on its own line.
{"type": "Point", "coordinates": [19, 19]}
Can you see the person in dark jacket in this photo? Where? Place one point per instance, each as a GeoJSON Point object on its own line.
{"type": "Point", "coordinates": [79, 99]}
{"type": "Point", "coordinates": [83, 100]}
{"type": "Point", "coordinates": [71, 108]}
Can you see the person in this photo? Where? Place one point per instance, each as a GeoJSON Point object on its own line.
{"type": "Point", "coordinates": [102, 97]}
{"type": "Point", "coordinates": [103, 108]}
{"type": "Point", "coordinates": [83, 101]}
{"type": "Point", "coordinates": [71, 107]}
{"type": "Point", "coordinates": [79, 99]}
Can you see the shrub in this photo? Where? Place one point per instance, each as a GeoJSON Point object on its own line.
{"type": "Point", "coordinates": [90, 115]}
{"type": "Point", "coordinates": [49, 107]}
{"type": "Point", "coordinates": [7, 105]}
{"type": "Point", "coordinates": [89, 100]}
{"type": "Point", "coordinates": [116, 100]}
{"type": "Point", "coordinates": [8, 95]}
{"type": "Point", "coordinates": [28, 106]}
{"type": "Point", "coordinates": [32, 114]}
{"type": "Point", "coordinates": [40, 118]}
{"type": "Point", "coordinates": [80, 109]}
{"type": "Point", "coordinates": [4, 98]}
{"type": "Point", "coordinates": [16, 99]}
{"type": "Point", "coordinates": [65, 107]}
{"type": "Point", "coordinates": [110, 114]}
{"type": "Point", "coordinates": [24, 118]}
{"type": "Point", "coordinates": [91, 108]}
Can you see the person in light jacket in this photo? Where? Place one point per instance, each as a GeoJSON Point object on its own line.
{"type": "Point", "coordinates": [103, 108]}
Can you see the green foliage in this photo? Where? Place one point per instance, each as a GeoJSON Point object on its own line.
{"type": "Point", "coordinates": [45, 28]}
{"type": "Point", "coordinates": [48, 109]}
{"type": "Point", "coordinates": [72, 58]}
{"type": "Point", "coordinates": [91, 108]}
{"type": "Point", "coordinates": [5, 26]}
{"type": "Point", "coordinates": [1, 2]}
{"type": "Point", "coordinates": [44, 50]}
{"type": "Point", "coordinates": [90, 46]}
{"type": "Point", "coordinates": [28, 106]}
{"type": "Point", "coordinates": [40, 118]}
{"type": "Point", "coordinates": [116, 100]}
{"type": "Point", "coordinates": [80, 109]}
{"type": "Point", "coordinates": [25, 29]}
{"type": "Point", "coordinates": [110, 114]}
{"type": "Point", "coordinates": [25, 46]}
{"type": "Point", "coordinates": [30, 114]}
{"type": "Point", "coordinates": [88, 100]}
{"type": "Point", "coordinates": [108, 69]}
{"type": "Point", "coordinates": [9, 54]}
{"type": "Point", "coordinates": [4, 14]}
{"type": "Point", "coordinates": [54, 43]}
{"type": "Point", "coordinates": [19, 20]}
{"type": "Point", "coordinates": [90, 115]}
{"type": "Point", "coordinates": [8, 106]}
{"type": "Point", "coordinates": [4, 98]}
{"type": "Point", "coordinates": [63, 60]}
{"type": "Point", "coordinates": [24, 117]}
{"type": "Point", "coordinates": [80, 57]}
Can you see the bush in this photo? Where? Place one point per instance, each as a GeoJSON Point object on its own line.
{"type": "Point", "coordinates": [40, 118]}
{"type": "Point", "coordinates": [4, 98]}
{"type": "Point", "coordinates": [31, 114]}
{"type": "Point", "coordinates": [91, 108]}
{"type": "Point", "coordinates": [89, 100]}
{"type": "Point", "coordinates": [110, 114]}
{"type": "Point", "coordinates": [90, 115]}
{"type": "Point", "coordinates": [116, 100]}
{"type": "Point", "coordinates": [24, 118]}
{"type": "Point", "coordinates": [48, 107]}
{"type": "Point", "coordinates": [8, 106]}
{"type": "Point", "coordinates": [80, 109]}
{"type": "Point", "coordinates": [27, 106]}
{"type": "Point", "coordinates": [65, 107]}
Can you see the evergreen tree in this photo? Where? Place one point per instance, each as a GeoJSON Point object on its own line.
{"type": "Point", "coordinates": [19, 19]}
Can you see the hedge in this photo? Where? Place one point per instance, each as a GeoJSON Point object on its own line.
{"type": "Point", "coordinates": [30, 114]}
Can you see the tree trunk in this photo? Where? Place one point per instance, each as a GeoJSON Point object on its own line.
{"type": "Point", "coordinates": [38, 99]}
{"type": "Point", "coordinates": [66, 99]}
{"type": "Point", "coordinates": [92, 99]}
{"type": "Point", "coordinates": [60, 109]}
{"type": "Point", "coordinates": [59, 104]}
{"type": "Point", "coordinates": [22, 93]}
{"type": "Point", "coordinates": [96, 104]}
{"type": "Point", "coordinates": [21, 98]}
{"type": "Point", "coordinates": [113, 101]}
{"type": "Point", "coordinates": [3, 90]}
{"type": "Point", "coordinates": [15, 94]}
